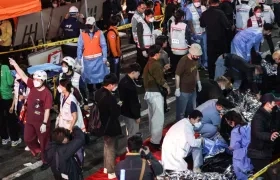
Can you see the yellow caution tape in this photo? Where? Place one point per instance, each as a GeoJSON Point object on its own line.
{"type": "Point", "coordinates": [59, 43]}
{"type": "Point", "coordinates": [263, 170]}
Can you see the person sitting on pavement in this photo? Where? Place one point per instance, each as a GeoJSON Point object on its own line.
{"type": "Point", "coordinates": [212, 89]}
{"type": "Point", "coordinates": [212, 111]}
{"type": "Point", "coordinates": [137, 158]}
{"type": "Point", "coordinates": [61, 153]}
{"type": "Point", "coordinates": [180, 142]}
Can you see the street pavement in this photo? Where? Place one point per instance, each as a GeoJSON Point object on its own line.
{"type": "Point", "coordinates": [18, 164]}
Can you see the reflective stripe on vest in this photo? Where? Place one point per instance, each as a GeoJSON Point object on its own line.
{"type": "Point", "coordinates": [195, 19]}
{"type": "Point", "coordinates": [138, 18]}
{"type": "Point", "coordinates": [266, 14]}
{"type": "Point", "coordinates": [65, 117]}
{"type": "Point", "coordinates": [148, 36]}
{"type": "Point", "coordinates": [92, 48]}
{"type": "Point", "coordinates": [255, 22]}
{"type": "Point", "coordinates": [179, 46]}
{"type": "Point", "coordinates": [242, 16]}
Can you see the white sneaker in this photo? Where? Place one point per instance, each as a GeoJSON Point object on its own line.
{"type": "Point", "coordinates": [105, 171]}
{"type": "Point", "coordinates": [196, 170]}
{"type": "Point", "coordinates": [27, 148]}
{"type": "Point", "coordinates": [15, 143]}
{"type": "Point", "coordinates": [5, 141]}
{"type": "Point", "coordinates": [111, 176]}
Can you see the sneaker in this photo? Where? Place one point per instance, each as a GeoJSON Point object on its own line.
{"type": "Point", "coordinates": [15, 143]}
{"type": "Point", "coordinates": [105, 171]}
{"type": "Point", "coordinates": [5, 141]}
{"type": "Point", "coordinates": [111, 176]}
{"type": "Point", "coordinates": [196, 170]}
{"type": "Point", "coordinates": [26, 148]}
{"type": "Point", "coordinates": [44, 166]}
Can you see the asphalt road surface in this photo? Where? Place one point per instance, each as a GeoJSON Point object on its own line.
{"type": "Point", "coordinates": [16, 163]}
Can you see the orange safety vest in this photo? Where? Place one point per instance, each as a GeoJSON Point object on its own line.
{"type": "Point", "coordinates": [92, 48]}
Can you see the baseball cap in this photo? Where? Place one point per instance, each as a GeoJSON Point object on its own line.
{"type": "Point", "coordinates": [269, 97]}
{"type": "Point", "coordinates": [90, 20]}
{"type": "Point", "coordinates": [195, 50]}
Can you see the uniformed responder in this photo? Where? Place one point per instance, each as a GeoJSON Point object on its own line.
{"type": "Point", "coordinates": [194, 11]}
{"type": "Point", "coordinates": [243, 13]}
{"type": "Point", "coordinates": [136, 18]}
{"type": "Point", "coordinates": [256, 20]}
{"type": "Point", "coordinates": [180, 39]}
{"type": "Point", "coordinates": [145, 37]}
{"type": "Point", "coordinates": [71, 27]}
{"type": "Point", "coordinates": [267, 13]}
{"type": "Point", "coordinates": [68, 72]}
{"type": "Point", "coordinates": [92, 55]}
{"type": "Point", "coordinates": [114, 46]}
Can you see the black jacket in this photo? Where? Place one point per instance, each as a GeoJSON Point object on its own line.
{"type": "Point", "coordinates": [131, 5]}
{"type": "Point", "coordinates": [262, 125]}
{"type": "Point", "coordinates": [128, 95]}
{"type": "Point", "coordinates": [109, 9]}
{"type": "Point", "coordinates": [109, 112]}
{"type": "Point", "coordinates": [210, 90]}
{"type": "Point", "coordinates": [133, 164]}
{"type": "Point", "coordinates": [67, 164]}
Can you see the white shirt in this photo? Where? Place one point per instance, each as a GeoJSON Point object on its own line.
{"type": "Point", "coordinates": [177, 144]}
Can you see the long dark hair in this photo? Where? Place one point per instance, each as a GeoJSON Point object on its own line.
{"type": "Point", "coordinates": [71, 89]}
{"type": "Point", "coordinates": [178, 15]}
{"type": "Point", "coordinates": [233, 116]}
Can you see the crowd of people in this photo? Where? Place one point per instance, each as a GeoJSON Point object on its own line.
{"type": "Point", "coordinates": [196, 37]}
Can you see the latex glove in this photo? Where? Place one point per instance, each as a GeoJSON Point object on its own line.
{"type": "Point", "coordinates": [43, 128]}
{"type": "Point", "coordinates": [177, 92]}
{"type": "Point", "coordinates": [144, 53]}
{"type": "Point", "coordinates": [199, 86]}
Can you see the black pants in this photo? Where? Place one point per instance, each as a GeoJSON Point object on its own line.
{"type": "Point", "coordinates": [214, 49]}
{"type": "Point", "coordinates": [115, 66]}
{"type": "Point", "coordinates": [174, 60]}
{"type": "Point", "coordinates": [141, 60]}
{"type": "Point", "coordinates": [129, 16]}
{"type": "Point", "coordinates": [258, 164]}
{"type": "Point", "coordinates": [69, 51]}
{"type": "Point", "coordinates": [91, 89]}
{"type": "Point", "coordinates": [9, 126]}
{"type": "Point", "coordinates": [277, 13]}
{"type": "Point", "coordinates": [270, 43]}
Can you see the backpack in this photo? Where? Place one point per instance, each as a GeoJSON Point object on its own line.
{"type": "Point", "coordinates": [95, 126]}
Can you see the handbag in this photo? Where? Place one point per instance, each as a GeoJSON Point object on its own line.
{"type": "Point", "coordinates": [163, 91]}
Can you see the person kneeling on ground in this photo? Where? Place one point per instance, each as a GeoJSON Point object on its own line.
{"type": "Point", "coordinates": [180, 142]}
{"type": "Point", "coordinates": [137, 158]}
{"type": "Point", "coordinates": [61, 153]}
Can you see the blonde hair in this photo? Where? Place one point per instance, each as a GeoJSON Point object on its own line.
{"type": "Point", "coordinates": [223, 79]}
{"type": "Point", "coordinates": [276, 55]}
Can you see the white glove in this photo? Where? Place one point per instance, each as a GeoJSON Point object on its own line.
{"type": "Point", "coordinates": [43, 128]}
{"type": "Point", "coordinates": [177, 92]}
{"type": "Point", "coordinates": [199, 86]}
{"type": "Point", "coordinates": [144, 53]}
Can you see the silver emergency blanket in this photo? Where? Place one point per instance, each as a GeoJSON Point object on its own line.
{"type": "Point", "coordinates": [269, 69]}
{"type": "Point", "coordinates": [190, 175]}
{"type": "Point", "coordinates": [245, 103]}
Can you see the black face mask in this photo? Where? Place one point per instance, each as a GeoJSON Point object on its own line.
{"type": "Point", "coordinates": [195, 58]}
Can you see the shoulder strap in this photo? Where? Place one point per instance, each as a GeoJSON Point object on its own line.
{"type": "Point", "coordinates": [142, 169]}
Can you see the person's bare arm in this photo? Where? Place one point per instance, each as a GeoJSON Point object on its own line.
{"type": "Point", "coordinates": [19, 70]}
{"type": "Point", "coordinates": [46, 116]}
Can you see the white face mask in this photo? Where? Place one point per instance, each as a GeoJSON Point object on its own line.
{"type": "Point", "coordinates": [197, 4]}
{"type": "Point", "coordinates": [54, 5]}
{"type": "Point", "coordinates": [223, 87]}
{"type": "Point", "coordinates": [258, 15]}
{"type": "Point", "coordinates": [197, 124]}
{"type": "Point", "coordinates": [64, 69]}
{"type": "Point", "coordinates": [59, 89]}
{"type": "Point", "coordinates": [17, 76]}
{"type": "Point", "coordinates": [152, 19]}
{"type": "Point", "coordinates": [115, 88]}
{"type": "Point", "coordinates": [36, 83]}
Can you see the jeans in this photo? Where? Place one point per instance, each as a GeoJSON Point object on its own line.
{"type": "Point", "coordinates": [220, 67]}
{"type": "Point", "coordinates": [115, 66]}
{"type": "Point", "coordinates": [185, 104]}
{"type": "Point", "coordinates": [109, 153]}
{"type": "Point", "coordinates": [156, 115]}
{"type": "Point", "coordinates": [202, 41]}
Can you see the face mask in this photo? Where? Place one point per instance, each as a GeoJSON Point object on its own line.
{"type": "Point", "coordinates": [197, 4]}
{"type": "Point", "coordinates": [115, 88]}
{"type": "Point", "coordinates": [152, 19]}
{"type": "Point", "coordinates": [195, 58]}
{"type": "Point", "coordinates": [64, 69]}
{"type": "Point", "coordinates": [17, 76]}
{"type": "Point", "coordinates": [258, 15]}
{"type": "Point", "coordinates": [197, 124]}
{"type": "Point", "coordinates": [36, 83]}
{"type": "Point", "coordinates": [54, 5]}
{"type": "Point", "coordinates": [223, 87]}
{"type": "Point", "coordinates": [59, 89]}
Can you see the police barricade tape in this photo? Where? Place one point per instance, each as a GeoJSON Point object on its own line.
{"type": "Point", "coordinates": [59, 43]}
{"type": "Point", "coordinates": [263, 170]}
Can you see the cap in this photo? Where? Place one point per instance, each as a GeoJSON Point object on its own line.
{"type": "Point", "coordinates": [195, 50]}
{"type": "Point", "coordinates": [73, 9]}
{"type": "Point", "coordinates": [40, 75]}
{"type": "Point", "coordinates": [269, 97]}
{"type": "Point", "coordinates": [90, 20]}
